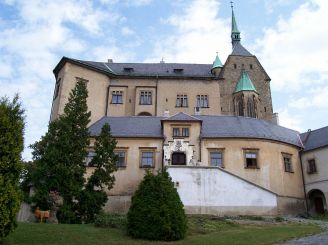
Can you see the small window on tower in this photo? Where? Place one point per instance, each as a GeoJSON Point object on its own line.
{"type": "Point", "coordinates": [251, 66]}
{"type": "Point", "coordinates": [235, 66]}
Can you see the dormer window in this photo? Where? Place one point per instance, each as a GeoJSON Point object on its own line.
{"type": "Point", "coordinates": [178, 70]}
{"type": "Point", "coordinates": [128, 69]}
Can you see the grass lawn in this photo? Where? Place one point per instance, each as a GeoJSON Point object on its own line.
{"type": "Point", "coordinates": [201, 231]}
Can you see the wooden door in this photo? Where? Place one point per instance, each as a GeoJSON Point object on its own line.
{"type": "Point", "coordinates": [178, 158]}
{"type": "Point", "coordinates": [318, 203]}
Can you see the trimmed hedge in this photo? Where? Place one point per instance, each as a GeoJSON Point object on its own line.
{"type": "Point", "coordinates": [156, 211]}
{"type": "Point", "coordinates": [111, 220]}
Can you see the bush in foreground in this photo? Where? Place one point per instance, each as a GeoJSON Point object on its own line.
{"type": "Point", "coordinates": [11, 147]}
{"type": "Point", "coordinates": [156, 211]}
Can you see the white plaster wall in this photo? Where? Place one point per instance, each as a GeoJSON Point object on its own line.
{"type": "Point", "coordinates": [213, 187]}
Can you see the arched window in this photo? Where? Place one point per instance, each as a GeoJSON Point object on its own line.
{"type": "Point", "coordinates": [144, 114]}
{"type": "Point", "coordinates": [250, 108]}
{"type": "Point", "coordinates": [240, 107]}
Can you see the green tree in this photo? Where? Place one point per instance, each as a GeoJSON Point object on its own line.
{"type": "Point", "coordinates": [94, 197]}
{"type": "Point", "coordinates": [59, 157]}
{"type": "Point", "coordinates": [11, 147]}
{"type": "Point", "coordinates": [156, 211]}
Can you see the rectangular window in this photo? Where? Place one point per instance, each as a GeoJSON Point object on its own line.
{"type": "Point", "coordinates": [57, 89]}
{"type": "Point", "coordinates": [202, 101]}
{"type": "Point", "coordinates": [251, 159]}
{"type": "Point", "coordinates": [312, 168]}
{"type": "Point", "coordinates": [89, 158]}
{"type": "Point", "coordinates": [121, 159]}
{"type": "Point", "coordinates": [288, 163]}
{"type": "Point", "coordinates": [216, 159]}
{"type": "Point", "coordinates": [185, 132]}
{"type": "Point", "coordinates": [145, 98]}
{"type": "Point", "coordinates": [176, 132]}
{"type": "Point", "coordinates": [182, 101]}
{"type": "Point", "coordinates": [147, 159]}
{"type": "Point", "coordinates": [117, 97]}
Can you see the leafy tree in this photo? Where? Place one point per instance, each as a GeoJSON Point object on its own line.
{"type": "Point", "coordinates": [94, 197]}
{"type": "Point", "coordinates": [59, 156]}
{"type": "Point", "coordinates": [11, 147]}
{"type": "Point", "coordinates": [156, 211]}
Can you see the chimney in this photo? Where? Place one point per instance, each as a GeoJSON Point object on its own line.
{"type": "Point", "coordinates": [275, 118]}
{"type": "Point", "coordinates": [166, 113]}
{"type": "Point", "coordinates": [110, 61]}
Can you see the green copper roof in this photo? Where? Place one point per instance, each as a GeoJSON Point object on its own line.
{"type": "Point", "coordinates": [244, 83]}
{"type": "Point", "coordinates": [217, 62]}
{"type": "Point", "coordinates": [234, 28]}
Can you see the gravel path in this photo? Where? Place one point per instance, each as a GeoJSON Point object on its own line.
{"type": "Point", "coordinates": [319, 239]}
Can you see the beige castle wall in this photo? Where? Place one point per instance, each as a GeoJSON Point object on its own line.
{"type": "Point", "coordinates": [318, 180]}
{"type": "Point", "coordinates": [128, 178]}
{"type": "Point", "coordinates": [169, 89]}
{"type": "Point", "coordinates": [97, 89]}
{"type": "Point", "coordinates": [258, 77]}
{"type": "Point", "coordinates": [165, 91]}
{"type": "Point", "coordinates": [145, 108]}
{"type": "Point", "coordinates": [270, 174]}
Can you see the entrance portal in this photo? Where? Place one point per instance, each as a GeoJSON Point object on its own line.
{"type": "Point", "coordinates": [317, 204]}
{"type": "Point", "coordinates": [178, 158]}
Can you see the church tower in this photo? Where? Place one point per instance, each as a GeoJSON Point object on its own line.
{"type": "Point", "coordinates": [244, 84]}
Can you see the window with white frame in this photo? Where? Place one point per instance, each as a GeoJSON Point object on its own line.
{"type": "Point", "coordinates": [287, 158]}
{"type": "Point", "coordinates": [216, 158]}
{"type": "Point", "coordinates": [121, 158]}
{"type": "Point", "coordinates": [251, 158]}
{"type": "Point", "coordinates": [145, 98]}
{"type": "Point", "coordinates": [147, 159]}
{"type": "Point", "coordinates": [117, 97]}
{"type": "Point", "coordinates": [182, 100]}
{"type": "Point", "coordinates": [202, 101]}
{"type": "Point", "coordinates": [180, 132]}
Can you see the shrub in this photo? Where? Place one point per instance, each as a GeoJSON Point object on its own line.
{"type": "Point", "coordinates": [279, 219]}
{"type": "Point", "coordinates": [156, 211]}
{"type": "Point", "coordinates": [111, 220]}
{"type": "Point", "coordinates": [11, 147]}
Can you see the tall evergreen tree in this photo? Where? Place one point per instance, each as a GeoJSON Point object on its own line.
{"type": "Point", "coordinates": [94, 197]}
{"type": "Point", "coordinates": [11, 147]}
{"type": "Point", "coordinates": [59, 156]}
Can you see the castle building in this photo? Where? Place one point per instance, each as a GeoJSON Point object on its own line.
{"type": "Point", "coordinates": [314, 161]}
{"type": "Point", "coordinates": [211, 125]}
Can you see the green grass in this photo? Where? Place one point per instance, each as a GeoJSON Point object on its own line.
{"type": "Point", "coordinates": [202, 230]}
{"type": "Point", "coordinates": [323, 217]}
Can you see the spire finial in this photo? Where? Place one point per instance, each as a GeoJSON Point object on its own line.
{"type": "Point", "coordinates": [231, 4]}
{"type": "Point", "coordinates": [235, 33]}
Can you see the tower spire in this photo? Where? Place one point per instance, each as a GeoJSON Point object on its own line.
{"type": "Point", "coordinates": [235, 33]}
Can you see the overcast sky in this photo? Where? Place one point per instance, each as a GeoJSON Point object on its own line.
{"type": "Point", "coordinates": [287, 36]}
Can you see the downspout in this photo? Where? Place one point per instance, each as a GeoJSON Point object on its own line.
{"type": "Point", "coordinates": [305, 196]}
{"type": "Point", "coordinates": [300, 157]}
{"type": "Point", "coordinates": [107, 95]}
{"type": "Point", "coordinates": [200, 149]}
{"type": "Point", "coordinates": [156, 96]}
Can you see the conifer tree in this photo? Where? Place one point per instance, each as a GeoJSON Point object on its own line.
{"type": "Point", "coordinates": [156, 211]}
{"type": "Point", "coordinates": [59, 157]}
{"type": "Point", "coordinates": [94, 197]}
{"type": "Point", "coordinates": [11, 147]}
